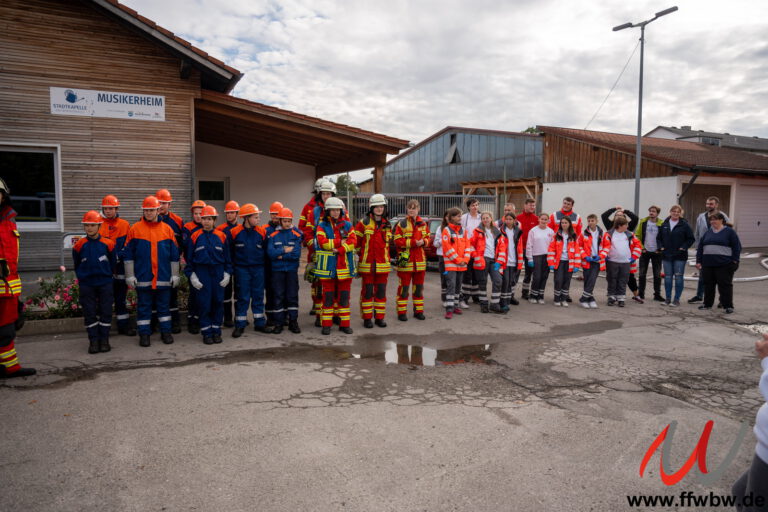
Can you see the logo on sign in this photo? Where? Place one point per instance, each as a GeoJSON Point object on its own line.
{"type": "Point", "coordinates": [130, 113]}
{"type": "Point", "coordinates": [71, 97]}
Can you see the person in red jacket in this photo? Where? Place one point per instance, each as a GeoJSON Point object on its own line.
{"type": "Point", "coordinates": [489, 257]}
{"type": "Point", "coordinates": [527, 220]}
{"type": "Point", "coordinates": [565, 256]}
{"type": "Point", "coordinates": [411, 235]}
{"type": "Point", "coordinates": [310, 215]}
{"type": "Point", "coordinates": [10, 289]}
{"type": "Point", "coordinates": [116, 229]}
{"type": "Point", "coordinates": [374, 234]}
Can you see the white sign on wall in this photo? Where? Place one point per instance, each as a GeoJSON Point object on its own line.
{"type": "Point", "coordinates": [120, 105]}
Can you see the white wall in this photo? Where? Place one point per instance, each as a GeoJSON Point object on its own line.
{"type": "Point", "coordinates": [256, 178]}
{"type": "Point", "coordinates": [598, 196]}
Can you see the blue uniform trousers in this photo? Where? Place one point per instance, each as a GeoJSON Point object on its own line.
{"type": "Point", "coordinates": [249, 290]}
{"type": "Point", "coordinates": [285, 287]}
{"type": "Point", "coordinates": [210, 298]}
{"type": "Point", "coordinates": [96, 302]}
{"type": "Point", "coordinates": [161, 299]}
{"type": "Point", "coordinates": [120, 293]}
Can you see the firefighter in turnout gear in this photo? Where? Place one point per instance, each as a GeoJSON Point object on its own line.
{"type": "Point", "coordinates": [94, 259]}
{"type": "Point", "coordinates": [284, 251]}
{"type": "Point", "coordinates": [335, 242]}
{"type": "Point", "coordinates": [177, 225]}
{"type": "Point", "coordinates": [152, 268]}
{"type": "Point", "coordinates": [231, 209]}
{"type": "Point", "coordinates": [191, 227]}
{"type": "Point", "coordinates": [116, 229]}
{"type": "Point", "coordinates": [325, 191]}
{"type": "Point", "coordinates": [249, 251]}
{"type": "Point", "coordinates": [374, 234]}
{"type": "Point", "coordinates": [10, 289]}
{"type": "Point", "coordinates": [411, 236]}
{"type": "Point", "coordinates": [209, 268]}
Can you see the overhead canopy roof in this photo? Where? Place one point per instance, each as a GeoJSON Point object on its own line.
{"type": "Point", "coordinates": [257, 128]}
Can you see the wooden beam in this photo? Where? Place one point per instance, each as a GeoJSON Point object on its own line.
{"type": "Point", "coordinates": [528, 191]}
{"type": "Point", "coordinates": [353, 163]}
{"type": "Point", "coordinates": [378, 173]}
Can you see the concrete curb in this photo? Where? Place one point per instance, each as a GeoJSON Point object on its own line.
{"type": "Point", "coordinates": [67, 325]}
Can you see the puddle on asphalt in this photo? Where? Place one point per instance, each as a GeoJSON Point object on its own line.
{"type": "Point", "coordinates": [418, 355]}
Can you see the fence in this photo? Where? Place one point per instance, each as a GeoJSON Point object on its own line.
{"type": "Point", "coordinates": [433, 205]}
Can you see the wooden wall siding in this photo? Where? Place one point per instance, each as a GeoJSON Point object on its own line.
{"type": "Point", "coordinates": [60, 43]}
{"type": "Point", "coordinates": [571, 160]}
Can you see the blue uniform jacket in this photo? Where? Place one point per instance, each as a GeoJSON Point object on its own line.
{"type": "Point", "coordinates": [208, 248]}
{"type": "Point", "coordinates": [249, 246]}
{"type": "Point", "coordinates": [280, 260]}
{"type": "Point", "coordinates": [151, 246]}
{"type": "Point", "coordinates": [95, 260]}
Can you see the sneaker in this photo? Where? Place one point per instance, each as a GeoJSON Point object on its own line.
{"type": "Point", "coordinates": [611, 301]}
{"type": "Point", "coordinates": [658, 298]}
{"type": "Point", "coordinates": [638, 299]}
{"type": "Point", "coordinates": [457, 311]}
{"type": "Point", "coordinates": [593, 305]}
{"type": "Point", "coordinates": [694, 299]}
{"type": "Point", "coordinates": [564, 304]}
{"type": "Point", "coordinates": [621, 304]}
{"type": "Point", "coordinates": [558, 303]}
{"type": "Point", "coordinates": [463, 304]}
{"type": "Point", "coordinates": [705, 308]}
{"type": "Point", "coordinates": [533, 301]}
{"type": "Point", "coordinates": [541, 301]}
{"type": "Point", "coordinates": [585, 305]}
{"type": "Point", "coordinates": [448, 315]}
{"type": "Point", "coordinates": [719, 305]}
{"type": "Point", "coordinates": [728, 311]}
{"type": "Point", "coordinates": [676, 304]}
{"type": "Point", "coordinates": [568, 298]}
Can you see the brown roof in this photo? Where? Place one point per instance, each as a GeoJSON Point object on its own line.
{"type": "Point", "coordinates": [680, 153]}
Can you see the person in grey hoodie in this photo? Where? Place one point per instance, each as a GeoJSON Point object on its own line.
{"type": "Point", "coordinates": [754, 481]}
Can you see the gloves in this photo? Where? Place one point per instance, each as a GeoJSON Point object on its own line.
{"type": "Point", "coordinates": [445, 273]}
{"type": "Point", "coordinates": [551, 267]}
{"type": "Point", "coordinates": [131, 281]}
{"type": "Point", "coordinates": [194, 281]}
{"type": "Point", "coordinates": [175, 281]}
{"type": "Point", "coordinates": [496, 266]}
{"type": "Point", "coordinates": [632, 260]}
{"type": "Point", "coordinates": [130, 275]}
{"type": "Point", "coordinates": [576, 269]}
{"type": "Point", "coordinates": [224, 282]}
{"type": "Point", "coordinates": [530, 263]}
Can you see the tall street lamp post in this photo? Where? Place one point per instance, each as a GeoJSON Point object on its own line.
{"type": "Point", "coordinates": [638, 155]}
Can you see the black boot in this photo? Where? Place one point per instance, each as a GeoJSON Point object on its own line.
{"type": "Point", "coordinates": [318, 323]}
{"type": "Point", "coordinates": [277, 329]}
{"type": "Point", "coordinates": [126, 330]}
{"type": "Point", "coordinates": [496, 308]}
{"type": "Point", "coordinates": [104, 346]}
{"type": "Point", "coordinates": [346, 330]}
{"type": "Point", "coordinates": [208, 340]}
{"type": "Point", "coordinates": [381, 322]}
{"type": "Point", "coordinates": [514, 301]}
{"type": "Point", "coordinates": [217, 338]}
{"type": "Point", "coordinates": [525, 295]}
{"type": "Point", "coordinates": [326, 331]}
{"type": "Point", "coordinates": [293, 326]}
{"type": "Point", "coordinates": [484, 307]}
{"type": "Point", "coordinates": [175, 327]}
{"type": "Point", "coordinates": [166, 337]}
{"type": "Point", "coordinates": [237, 332]}
{"type": "Point", "coordinates": [419, 316]}
{"type": "Point", "coordinates": [93, 347]}
{"type": "Point", "coordinates": [402, 317]}
{"type": "Point", "coordinates": [143, 340]}
{"type": "Point", "coordinates": [228, 323]}
{"type": "Point", "coordinates": [266, 329]}
{"type": "Point", "coordinates": [21, 372]}
{"type": "Point", "coordinates": [368, 323]}
{"type": "Point", "coordinates": [193, 327]}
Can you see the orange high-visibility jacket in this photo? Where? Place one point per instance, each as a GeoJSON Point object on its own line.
{"type": "Point", "coordinates": [456, 248]}
{"type": "Point", "coordinates": [478, 244]}
{"type": "Point", "coordinates": [575, 252]}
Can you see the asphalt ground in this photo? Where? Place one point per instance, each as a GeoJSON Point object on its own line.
{"type": "Point", "coordinates": [544, 408]}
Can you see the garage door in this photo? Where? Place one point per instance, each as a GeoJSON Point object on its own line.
{"type": "Point", "coordinates": [752, 221]}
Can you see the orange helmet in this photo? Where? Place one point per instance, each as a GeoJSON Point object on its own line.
{"type": "Point", "coordinates": [208, 211]}
{"type": "Point", "coordinates": [92, 217]}
{"type": "Point", "coordinates": [197, 204]}
{"type": "Point", "coordinates": [276, 207]}
{"type": "Point", "coordinates": [110, 200]}
{"type": "Point", "coordinates": [248, 209]}
{"type": "Point", "coordinates": [285, 213]}
{"type": "Point", "coordinates": [231, 206]}
{"type": "Point", "coordinates": [164, 195]}
{"type": "Point", "coordinates": [150, 202]}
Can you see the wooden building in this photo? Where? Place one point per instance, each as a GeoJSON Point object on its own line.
{"type": "Point", "coordinates": [597, 169]}
{"type": "Point", "coordinates": [97, 99]}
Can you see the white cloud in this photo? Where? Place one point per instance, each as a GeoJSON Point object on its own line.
{"type": "Point", "coordinates": [408, 69]}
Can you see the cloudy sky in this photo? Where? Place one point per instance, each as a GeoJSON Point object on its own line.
{"type": "Point", "coordinates": [410, 68]}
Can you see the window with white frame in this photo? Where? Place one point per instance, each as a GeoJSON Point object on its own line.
{"type": "Point", "coordinates": [32, 175]}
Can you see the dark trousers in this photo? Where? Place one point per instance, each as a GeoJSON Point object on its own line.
{"type": "Point", "coordinates": [228, 299]}
{"type": "Point", "coordinates": [481, 276]}
{"type": "Point", "coordinates": [269, 295]}
{"type": "Point", "coordinates": [722, 278]}
{"type": "Point", "coordinates": [753, 482]}
{"type": "Point", "coordinates": [655, 260]}
{"type": "Point", "coordinates": [540, 276]}
{"type": "Point", "coordinates": [527, 278]}
{"type": "Point", "coordinates": [210, 299]}
{"type": "Point", "coordinates": [617, 275]}
{"type": "Point", "coordinates": [508, 283]}
{"type": "Point", "coordinates": [249, 291]}
{"type": "Point", "coordinates": [453, 281]}
{"type": "Point", "coordinates": [443, 286]}
{"type": "Point", "coordinates": [562, 281]}
{"type": "Point", "coordinates": [285, 292]}
{"type": "Point", "coordinates": [120, 293]}
{"type": "Point", "coordinates": [469, 285]}
{"type": "Point", "coordinates": [590, 278]}
{"type": "Point", "coordinates": [96, 302]}
{"type": "Point", "coordinates": [146, 297]}
{"type": "Point", "coordinates": [193, 314]}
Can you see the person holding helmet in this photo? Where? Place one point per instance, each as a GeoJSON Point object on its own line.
{"type": "Point", "coordinates": [231, 210]}
{"type": "Point", "coordinates": [284, 251]}
{"type": "Point", "coordinates": [335, 249]}
{"type": "Point", "coordinates": [177, 225]}
{"type": "Point", "coordinates": [374, 234]}
{"type": "Point", "coordinates": [116, 229]}
{"type": "Point", "coordinates": [152, 267]}
{"type": "Point", "coordinates": [249, 241]}
{"type": "Point", "coordinates": [209, 268]}
{"type": "Point", "coordinates": [10, 289]}
{"type": "Point", "coordinates": [269, 228]}
{"type": "Point", "coordinates": [326, 190]}
{"type": "Point", "coordinates": [411, 236]}
{"type": "Point", "coordinates": [94, 258]}
{"type": "Point", "coordinates": [191, 227]}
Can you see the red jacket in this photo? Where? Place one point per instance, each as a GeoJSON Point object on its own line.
{"type": "Point", "coordinates": [575, 253]}
{"type": "Point", "coordinates": [478, 243]}
{"type": "Point", "coordinates": [9, 251]}
{"type": "Point", "coordinates": [527, 221]}
{"type": "Point", "coordinates": [635, 247]}
{"type": "Point", "coordinates": [373, 240]}
{"type": "Point", "coordinates": [407, 233]}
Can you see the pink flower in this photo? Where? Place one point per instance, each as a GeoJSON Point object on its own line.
{"type": "Point", "coordinates": [63, 268]}
{"type": "Point", "coordinates": [76, 281]}
{"type": "Point", "coordinates": [57, 297]}
{"type": "Point", "coordinates": [74, 306]}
